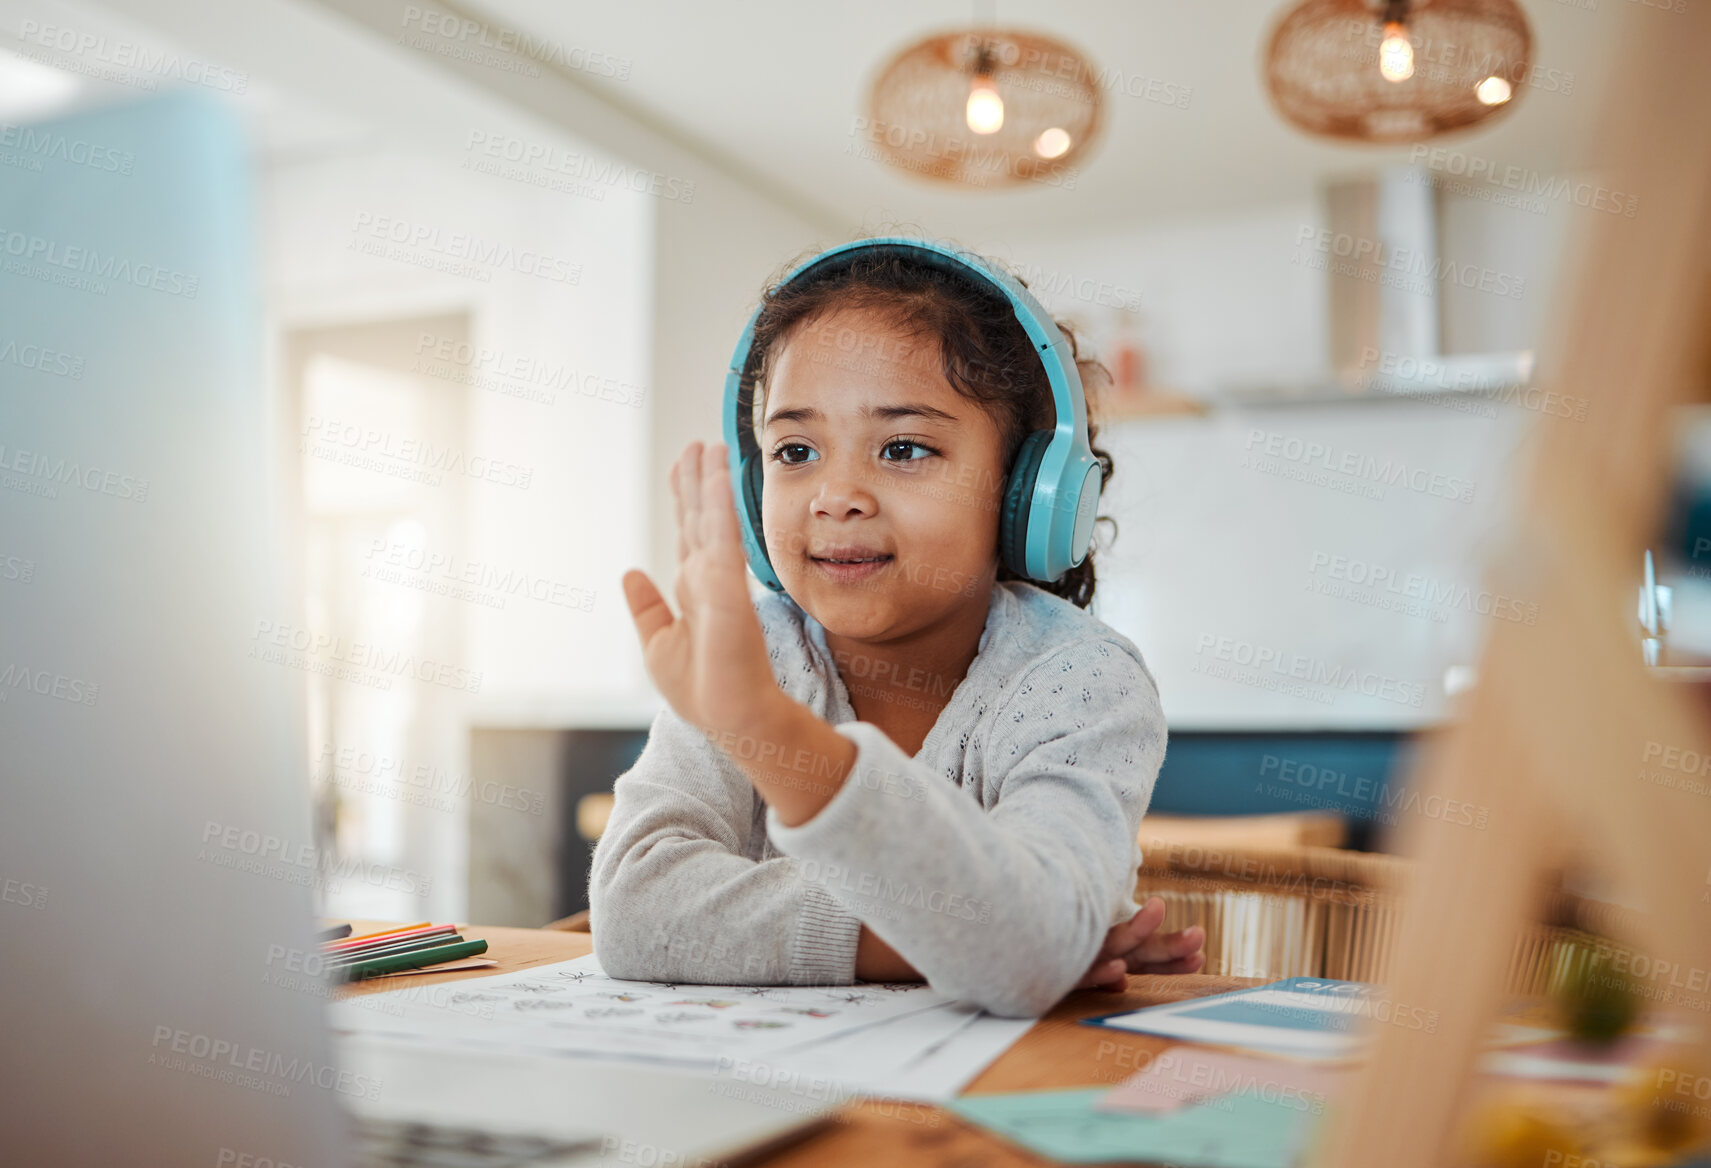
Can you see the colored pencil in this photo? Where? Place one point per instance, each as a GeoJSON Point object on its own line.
{"type": "Point", "coordinates": [351, 946]}
{"type": "Point", "coordinates": [333, 960]}
{"type": "Point", "coordinates": [435, 956]}
{"type": "Point", "coordinates": [393, 929]}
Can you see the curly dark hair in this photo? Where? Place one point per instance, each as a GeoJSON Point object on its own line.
{"type": "Point", "coordinates": [984, 352]}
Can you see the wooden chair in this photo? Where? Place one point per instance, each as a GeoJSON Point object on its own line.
{"type": "Point", "coordinates": [1324, 912]}
{"type": "Point", "coordinates": [576, 922]}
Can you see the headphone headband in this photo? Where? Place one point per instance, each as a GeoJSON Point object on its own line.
{"type": "Point", "coordinates": [1046, 522]}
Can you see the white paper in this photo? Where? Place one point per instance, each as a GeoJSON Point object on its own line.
{"type": "Point", "coordinates": [943, 1072]}
{"type": "Point", "coordinates": [572, 1007]}
{"type": "Point", "coordinates": [861, 1062]}
{"type": "Point", "coordinates": [928, 1057]}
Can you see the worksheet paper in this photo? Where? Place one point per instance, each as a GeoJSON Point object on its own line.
{"type": "Point", "coordinates": [943, 1071]}
{"type": "Point", "coordinates": [928, 1057]}
{"type": "Point", "coordinates": [572, 1007]}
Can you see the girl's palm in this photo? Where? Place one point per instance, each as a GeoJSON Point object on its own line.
{"type": "Point", "coordinates": [710, 663]}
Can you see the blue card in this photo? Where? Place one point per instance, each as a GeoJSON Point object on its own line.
{"type": "Point", "coordinates": [1312, 1018]}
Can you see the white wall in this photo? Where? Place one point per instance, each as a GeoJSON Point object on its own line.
{"type": "Point", "coordinates": [1219, 553]}
{"type": "Point", "coordinates": [714, 258]}
{"type": "Point", "coordinates": [1220, 559]}
{"type": "Point", "coordinates": [663, 315]}
{"type": "Point", "coordinates": [584, 508]}
{"type": "Point", "coordinates": [1224, 301]}
{"type": "Point", "coordinates": [1509, 243]}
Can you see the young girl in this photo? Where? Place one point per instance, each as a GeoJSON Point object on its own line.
{"type": "Point", "coordinates": [911, 764]}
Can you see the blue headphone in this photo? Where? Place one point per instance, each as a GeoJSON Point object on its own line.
{"type": "Point", "coordinates": [1046, 521]}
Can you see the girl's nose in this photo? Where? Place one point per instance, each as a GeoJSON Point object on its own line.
{"type": "Point", "coordinates": [843, 491]}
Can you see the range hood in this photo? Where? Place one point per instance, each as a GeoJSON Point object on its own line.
{"type": "Point", "coordinates": [1383, 280]}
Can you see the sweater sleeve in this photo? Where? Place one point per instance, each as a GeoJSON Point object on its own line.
{"type": "Point", "coordinates": [673, 896]}
{"type": "Point", "coordinates": [1004, 907]}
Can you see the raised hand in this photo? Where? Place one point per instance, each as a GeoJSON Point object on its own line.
{"type": "Point", "coordinates": [710, 663]}
{"type": "Point", "coordinates": [1136, 946]}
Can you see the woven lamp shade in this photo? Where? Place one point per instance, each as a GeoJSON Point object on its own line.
{"type": "Point", "coordinates": [918, 120]}
{"type": "Point", "coordinates": [1322, 66]}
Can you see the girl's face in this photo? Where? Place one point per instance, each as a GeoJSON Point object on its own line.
{"type": "Point", "coordinates": [870, 454]}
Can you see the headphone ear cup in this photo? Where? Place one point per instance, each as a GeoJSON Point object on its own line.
{"type": "Point", "coordinates": [753, 477]}
{"type": "Point", "coordinates": [1018, 502]}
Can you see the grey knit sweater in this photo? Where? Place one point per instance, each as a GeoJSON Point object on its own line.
{"type": "Point", "coordinates": [993, 861]}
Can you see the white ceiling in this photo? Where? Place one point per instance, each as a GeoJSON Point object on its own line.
{"type": "Point", "coordinates": [776, 83]}
{"type": "Point", "coordinates": [771, 87]}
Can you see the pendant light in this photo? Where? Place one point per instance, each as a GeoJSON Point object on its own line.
{"type": "Point", "coordinates": [1397, 70]}
{"type": "Point", "coordinates": [985, 108]}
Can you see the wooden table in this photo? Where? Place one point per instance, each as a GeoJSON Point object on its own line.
{"type": "Point", "coordinates": [1056, 1052]}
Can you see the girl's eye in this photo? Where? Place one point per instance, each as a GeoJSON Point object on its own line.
{"type": "Point", "coordinates": [909, 445]}
{"type": "Point", "coordinates": [781, 453]}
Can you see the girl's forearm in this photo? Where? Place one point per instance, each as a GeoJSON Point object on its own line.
{"type": "Point", "coordinates": [797, 763]}
{"type": "Point", "coordinates": [877, 961]}
{"type": "Point", "coordinates": [794, 758]}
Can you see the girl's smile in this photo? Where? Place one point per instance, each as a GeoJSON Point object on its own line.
{"type": "Point", "coordinates": [852, 572]}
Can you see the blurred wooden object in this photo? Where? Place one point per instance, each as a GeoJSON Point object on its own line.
{"type": "Point", "coordinates": [576, 922]}
{"type": "Point", "coordinates": [1154, 403]}
{"type": "Point", "coordinates": [1554, 734]}
{"type": "Point", "coordinates": [1290, 829]}
{"type": "Point", "coordinates": [592, 812]}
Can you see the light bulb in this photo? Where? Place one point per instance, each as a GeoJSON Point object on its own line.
{"type": "Point", "coordinates": [1493, 91]}
{"type": "Point", "coordinates": [1395, 54]}
{"type": "Point", "coordinates": [985, 107]}
{"type": "Point", "coordinates": [1052, 143]}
